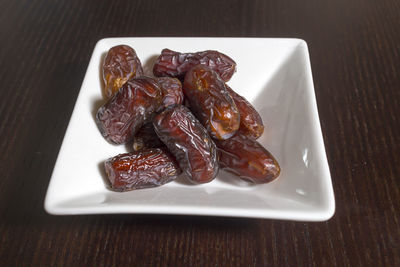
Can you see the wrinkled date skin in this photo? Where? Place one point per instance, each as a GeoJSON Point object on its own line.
{"type": "Point", "coordinates": [189, 142]}
{"type": "Point", "coordinates": [172, 91]}
{"type": "Point", "coordinates": [143, 169]}
{"type": "Point", "coordinates": [120, 64]}
{"type": "Point", "coordinates": [175, 64]}
{"type": "Point", "coordinates": [210, 102]}
{"type": "Point", "coordinates": [146, 137]}
{"type": "Point", "coordinates": [123, 115]}
{"type": "Point", "coordinates": [251, 123]}
{"type": "Point", "coordinates": [248, 159]}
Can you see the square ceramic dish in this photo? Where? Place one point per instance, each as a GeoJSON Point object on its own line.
{"type": "Point", "coordinates": [273, 74]}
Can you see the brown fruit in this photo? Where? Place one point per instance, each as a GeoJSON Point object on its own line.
{"type": "Point", "coordinates": [175, 64]}
{"type": "Point", "coordinates": [172, 91]}
{"type": "Point", "coordinates": [189, 142]}
{"type": "Point", "coordinates": [210, 102]}
{"type": "Point", "coordinates": [251, 123]}
{"type": "Point", "coordinates": [143, 169]}
{"type": "Point", "coordinates": [248, 159]}
{"type": "Point", "coordinates": [120, 64]}
{"type": "Point", "coordinates": [125, 113]}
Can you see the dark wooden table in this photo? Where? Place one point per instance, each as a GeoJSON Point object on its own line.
{"type": "Point", "coordinates": [355, 57]}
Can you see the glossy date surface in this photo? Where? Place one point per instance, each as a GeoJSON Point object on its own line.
{"type": "Point", "coordinates": [251, 123]}
{"type": "Point", "coordinates": [248, 159]}
{"type": "Point", "coordinates": [143, 169]}
{"type": "Point", "coordinates": [120, 64]}
{"type": "Point", "coordinates": [189, 142]}
{"type": "Point", "coordinates": [172, 91]}
{"type": "Point", "coordinates": [125, 113]}
{"type": "Point", "coordinates": [176, 64]}
{"type": "Point", "coordinates": [211, 102]}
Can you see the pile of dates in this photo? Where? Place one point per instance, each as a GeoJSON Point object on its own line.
{"type": "Point", "coordinates": [185, 119]}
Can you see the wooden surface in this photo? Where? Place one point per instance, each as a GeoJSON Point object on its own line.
{"type": "Point", "coordinates": [355, 57]}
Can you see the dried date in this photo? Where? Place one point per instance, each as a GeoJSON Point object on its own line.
{"type": "Point", "coordinates": [172, 91]}
{"type": "Point", "coordinates": [175, 64]}
{"type": "Point", "coordinates": [251, 123]}
{"type": "Point", "coordinates": [211, 102]}
{"type": "Point", "coordinates": [248, 159]}
{"type": "Point", "coordinates": [189, 142]}
{"type": "Point", "coordinates": [125, 113]}
{"type": "Point", "coordinates": [120, 64]}
{"type": "Point", "coordinates": [144, 169]}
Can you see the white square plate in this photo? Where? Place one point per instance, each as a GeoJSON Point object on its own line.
{"type": "Point", "coordinates": [273, 74]}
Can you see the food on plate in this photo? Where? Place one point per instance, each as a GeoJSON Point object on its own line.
{"type": "Point", "coordinates": [172, 91]}
{"type": "Point", "coordinates": [175, 64]}
{"type": "Point", "coordinates": [247, 159]}
{"type": "Point", "coordinates": [125, 113]}
{"type": "Point", "coordinates": [251, 124]}
{"type": "Point", "coordinates": [146, 137]}
{"type": "Point", "coordinates": [143, 169]}
{"type": "Point", "coordinates": [120, 64]}
{"type": "Point", "coordinates": [211, 102]}
{"type": "Point", "coordinates": [189, 142]}
{"type": "Point", "coordinates": [194, 128]}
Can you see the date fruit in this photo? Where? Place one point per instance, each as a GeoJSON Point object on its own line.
{"type": "Point", "coordinates": [144, 169]}
{"type": "Point", "coordinates": [120, 64]}
{"type": "Point", "coordinates": [248, 159]}
{"type": "Point", "coordinates": [146, 137]}
{"type": "Point", "coordinates": [125, 113]}
{"type": "Point", "coordinates": [175, 64]}
{"type": "Point", "coordinates": [172, 91]}
{"type": "Point", "coordinates": [189, 142]}
{"type": "Point", "coordinates": [251, 123]}
{"type": "Point", "coordinates": [211, 102]}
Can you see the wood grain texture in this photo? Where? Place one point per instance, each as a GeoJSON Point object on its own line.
{"type": "Point", "coordinates": [355, 56]}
